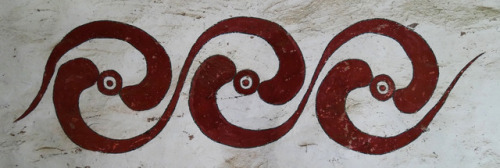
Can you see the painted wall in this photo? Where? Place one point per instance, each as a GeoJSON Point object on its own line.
{"type": "Point", "coordinates": [304, 127]}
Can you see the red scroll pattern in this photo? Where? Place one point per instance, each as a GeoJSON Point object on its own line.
{"type": "Point", "coordinates": [219, 70]}
{"type": "Point", "coordinates": [79, 74]}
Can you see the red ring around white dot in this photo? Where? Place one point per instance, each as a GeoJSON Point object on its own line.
{"type": "Point", "coordinates": [107, 77]}
{"type": "Point", "coordinates": [246, 82]}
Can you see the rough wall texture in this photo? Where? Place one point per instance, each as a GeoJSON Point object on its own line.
{"type": "Point", "coordinates": [463, 133]}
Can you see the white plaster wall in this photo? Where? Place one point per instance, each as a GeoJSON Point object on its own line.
{"type": "Point", "coordinates": [463, 134]}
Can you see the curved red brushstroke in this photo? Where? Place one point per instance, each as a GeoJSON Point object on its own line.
{"type": "Point", "coordinates": [351, 74]}
{"type": "Point", "coordinates": [79, 74]}
{"type": "Point", "coordinates": [330, 106]}
{"type": "Point", "coordinates": [219, 70]}
{"type": "Point", "coordinates": [145, 95]}
{"type": "Point", "coordinates": [425, 70]}
{"type": "Point", "coordinates": [76, 75]}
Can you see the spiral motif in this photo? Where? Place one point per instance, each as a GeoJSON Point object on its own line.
{"type": "Point", "coordinates": [79, 74]}
{"type": "Point", "coordinates": [352, 74]}
{"type": "Point", "coordinates": [216, 71]}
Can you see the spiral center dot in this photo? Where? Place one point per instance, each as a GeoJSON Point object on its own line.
{"type": "Point", "coordinates": [382, 88]}
{"type": "Point", "coordinates": [109, 83]}
{"type": "Point", "coordinates": [245, 82]}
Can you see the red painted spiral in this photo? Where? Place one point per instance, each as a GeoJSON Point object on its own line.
{"type": "Point", "coordinates": [79, 74]}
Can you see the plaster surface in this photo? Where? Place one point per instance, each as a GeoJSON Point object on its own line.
{"type": "Point", "coordinates": [464, 132]}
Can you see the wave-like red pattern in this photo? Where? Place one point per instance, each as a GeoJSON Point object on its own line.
{"type": "Point", "coordinates": [79, 74]}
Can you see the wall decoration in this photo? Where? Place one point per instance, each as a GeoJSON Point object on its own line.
{"type": "Point", "coordinates": [79, 74]}
{"type": "Point", "coordinates": [249, 83]}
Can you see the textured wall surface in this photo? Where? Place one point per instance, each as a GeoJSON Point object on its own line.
{"type": "Point", "coordinates": [464, 132]}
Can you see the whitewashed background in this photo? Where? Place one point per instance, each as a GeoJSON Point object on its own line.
{"type": "Point", "coordinates": [463, 134]}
